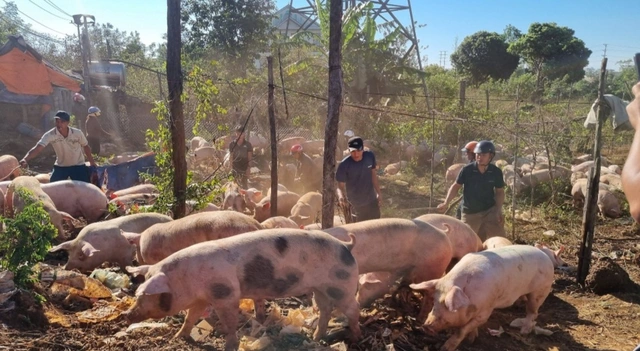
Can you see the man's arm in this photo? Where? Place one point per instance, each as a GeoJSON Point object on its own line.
{"type": "Point", "coordinates": [631, 169]}
{"type": "Point", "coordinates": [499, 196]}
{"type": "Point", "coordinates": [374, 180]}
{"type": "Point", "coordinates": [453, 191]}
{"type": "Point", "coordinates": [87, 153]}
{"type": "Point", "coordinates": [31, 154]}
{"type": "Point", "coordinates": [341, 191]}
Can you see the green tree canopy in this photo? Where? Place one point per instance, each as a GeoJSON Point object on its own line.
{"type": "Point", "coordinates": [552, 52]}
{"type": "Point", "coordinates": [234, 28]}
{"type": "Point", "coordinates": [484, 55]}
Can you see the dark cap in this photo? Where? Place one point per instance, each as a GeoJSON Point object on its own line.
{"type": "Point", "coordinates": [356, 143]}
{"type": "Point", "coordinates": [63, 115]}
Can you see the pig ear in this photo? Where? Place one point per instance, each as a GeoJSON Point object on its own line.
{"type": "Point", "coordinates": [66, 216]}
{"type": "Point", "coordinates": [133, 238]}
{"type": "Point", "coordinates": [158, 284]}
{"type": "Point", "coordinates": [140, 270]}
{"type": "Point", "coordinates": [88, 250]}
{"type": "Point", "coordinates": [560, 250]}
{"type": "Point", "coordinates": [64, 246]}
{"type": "Point", "coordinates": [456, 299]}
{"type": "Point", "coordinates": [428, 286]}
{"type": "Point", "coordinates": [538, 246]}
{"type": "Point", "coordinates": [242, 191]}
{"type": "Point", "coordinates": [266, 206]}
{"type": "Point", "coordinates": [257, 193]}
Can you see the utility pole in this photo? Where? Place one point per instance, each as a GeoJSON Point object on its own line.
{"type": "Point", "coordinates": [443, 58]}
{"type": "Point", "coordinates": [176, 117]}
{"type": "Point", "coordinates": [85, 51]}
{"type": "Point", "coordinates": [334, 104]}
{"type": "Point", "coordinates": [604, 55]}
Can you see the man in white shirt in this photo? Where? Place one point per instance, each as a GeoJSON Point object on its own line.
{"type": "Point", "coordinates": [70, 146]}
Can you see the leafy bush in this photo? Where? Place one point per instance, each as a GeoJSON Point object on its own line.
{"type": "Point", "coordinates": [25, 239]}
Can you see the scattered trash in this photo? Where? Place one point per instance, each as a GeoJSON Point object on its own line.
{"type": "Point", "coordinates": [386, 332]}
{"type": "Point", "coordinates": [111, 280]}
{"type": "Point", "coordinates": [517, 323]}
{"type": "Point", "coordinates": [253, 344]}
{"type": "Point", "coordinates": [496, 332]}
{"type": "Point", "coordinates": [201, 331]}
{"type": "Point", "coordinates": [549, 233]}
{"type": "Point", "coordinates": [340, 346]}
{"type": "Point", "coordinates": [389, 347]}
{"type": "Point", "coordinates": [152, 325]}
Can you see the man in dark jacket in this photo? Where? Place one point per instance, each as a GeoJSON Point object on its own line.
{"type": "Point", "coordinates": [357, 178]}
{"type": "Point", "coordinates": [240, 151]}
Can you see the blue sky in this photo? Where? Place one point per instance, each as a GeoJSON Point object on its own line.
{"type": "Point", "coordinates": [614, 22]}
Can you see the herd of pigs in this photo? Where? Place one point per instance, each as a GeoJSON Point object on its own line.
{"type": "Point", "coordinates": [214, 257]}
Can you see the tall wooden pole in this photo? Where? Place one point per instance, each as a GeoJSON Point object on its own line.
{"type": "Point", "coordinates": [333, 113]}
{"type": "Point", "coordinates": [176, 119]}
{"type": "Point", "coordinates": [590, 206]}
{"type": "Point", "coordinates": [274, 142]}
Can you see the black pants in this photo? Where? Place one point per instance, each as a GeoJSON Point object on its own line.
{"type": "Point", "coordinates": [94, 144]}
{"type": "Point", "coordinates": [80, 173]}
{"type": "Point", "coordinates": [367, 212]}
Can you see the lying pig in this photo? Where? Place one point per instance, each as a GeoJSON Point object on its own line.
{"type": "Point", "coordinates": [9, 167]}
{"type": "Point", "coordinates": [104, 241]}
{"type": "Point", "coordinates": [484, 281]}
{"type": "Point", "coordinates": [286, 201]}
{"type": "Point", "coordinates": [78, 199]}
{"type": "Point", "coordinates": [410, 249]}
{"type": "Point", "coordinates": [453, 171]}
{"type": "Point", "coordinates": [267, 264]}
{"type": "Point", "coordinates": [147, 199]}
{"type": "Point", "coordinates": [495, 242]}
{"type": "Point", "coordinates": [161, 240]}
{"type": "Point", "coordinates": [462, 238]}
{"type": "Point", "coordinates": [306, 210]}
{"type": "Point", "coordinates": [579, 191]}
{"type": "Point", "coordinates": [608, 204]}
{"type": "Point", "coordinates": [279, 222]}
{"type": "Point", "coordinates": [14, 203]}
{"type": "Point", "coordinates": [337, 221]}
{"type": "Point", "coordinates": [137, 189]}
{"type": "Point", "coordinates": [43, 178]}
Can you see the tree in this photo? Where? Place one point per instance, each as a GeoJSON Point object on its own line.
{"type": "Point", "coordinates": [552, 52]}
{"type": "Point", "coordinates": [484, 55]}
{"type": "Point", "coordinates": [237, 29]}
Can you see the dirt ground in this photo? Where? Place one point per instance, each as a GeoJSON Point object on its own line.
{"type": "Point", "coordinates": [580, 319]}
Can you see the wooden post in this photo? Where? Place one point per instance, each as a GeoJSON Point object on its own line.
{"type": "Point", "coordinates": [463, 89]}
{"type": "Point", "coordinates": [274, 142]}
{"type": "Point", "coordinates": [487, 95]}
{"type": "Point", "coordinates": [514, 192]}
{"type": "Point", "coordinates": [284, 91]}
{"type": "Point", "coordinates": [176, 119]}
{"type": "Point", "coordinates": [590, 206]}
{"type": "Point", "coordinates": [333, 113]}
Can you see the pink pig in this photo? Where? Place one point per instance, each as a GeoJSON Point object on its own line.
{"type": "Point", "coordinates": [266, 264]}
{"type": "Point", "coordinates": [484, 281]}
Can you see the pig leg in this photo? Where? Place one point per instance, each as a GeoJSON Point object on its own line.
{"type": "Point", "coordinates": [351, 309]}
{"type": "Point", "coordinates": [258, 307]}
{"type": "Point", "coordinates": [324, 309]}
{"type": "Point", "coordinates": [227, 312]}
{"type": "Point", "coordinates": [470, 328]}
{"type": "Point", "coordinates": [194, 313]}
{"type": "Point", "coordinates": [534, 301]}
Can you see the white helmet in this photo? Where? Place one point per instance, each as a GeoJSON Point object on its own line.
{"type": "Point", "coordinates": [349, 133]}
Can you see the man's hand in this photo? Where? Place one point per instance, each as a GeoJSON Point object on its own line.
{"type": "Point", "coordinates": [500, 217]}
{"type": "Point", "coordinates": [442, 208]}
{"type": "Point", "coordinates": [633, 109]}
{"type": "Point", "coordinates": [23, 163]}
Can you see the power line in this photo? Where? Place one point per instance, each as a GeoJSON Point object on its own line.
{"type": "Point", "coordinates": [24, 14]}
{"type": "Point", "coordinates": [50, 2]}
{"type": "Point", "coordinates": [30, 32]}
{"type": "Point", "coordinates": [45, 10]}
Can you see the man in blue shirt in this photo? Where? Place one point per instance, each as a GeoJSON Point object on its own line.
{"type": "Point", "coordinates": [482, 195]}
{"type": "Point", "coordinates": [357, 178]}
